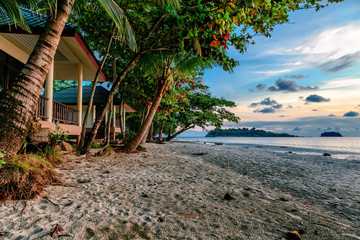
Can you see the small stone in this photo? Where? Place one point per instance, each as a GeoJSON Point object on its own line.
{"type": "Point", "coordinates": [284, 199]}
{"type": "Point", "coordinates": [106, 152]}
{"type": "Point", "coordinates": [160, 219]}
{"type": "Point", "coordinates": [290, 152]}
{"type": "Point", "coordinates": [316, 232]}
{"type": "Point", "coordinates": [228, 197]}
{"type": "Point", "coordinates": [66, 147]}
{"type": "Point", "coordinates": [294, 235]}
{"type": "Point", "coordinates": [327, 154]}
{"type": "Point", "coordinates": [247, 188]}
{"type": "Point", "coordinates": [57, 148]}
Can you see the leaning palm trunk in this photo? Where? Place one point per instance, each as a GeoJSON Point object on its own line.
{"type": "Point", "coordinates": [18, 104]}
{"type": "Point", "coordinates": [91, 99]}
{"type": "Point", "coordinates": [114, 87]}
{"type": "Point", "coordinates": [133, 143]}
{"type": "Point", "coordinates": [171, 137]}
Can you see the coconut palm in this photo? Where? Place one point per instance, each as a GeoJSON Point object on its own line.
{"type": "Point", "coordinates": [18, 104]}
{"type": "Point", "coordinates": [164, 66]}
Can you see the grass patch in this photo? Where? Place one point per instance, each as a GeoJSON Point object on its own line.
{"type": "Point", "coordinates": [24, 177]}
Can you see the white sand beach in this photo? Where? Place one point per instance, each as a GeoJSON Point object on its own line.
{"type": "Point", "coordinates": [176, 191]}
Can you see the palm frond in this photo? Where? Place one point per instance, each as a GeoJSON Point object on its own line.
{"type": "Point", "coordinates": [125, 31]}
{"type": "Point", "coordinates": [10, 10]}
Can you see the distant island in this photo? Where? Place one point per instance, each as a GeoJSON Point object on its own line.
{"type": "Point", "coordinates": [331, 134]}
{"type": "Point", "coordinates": [245, 132]}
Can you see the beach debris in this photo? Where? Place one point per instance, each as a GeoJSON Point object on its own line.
{"type": "Point", "coordinates": [107, 172]}
{"type": "Point", "coordinates": [2, 233]}
{"type": "Point", "coordinates": [327, 154]}
{"type": "Point", "coordinates": [246, 188]}
{"type": "Point", "coordinates": [144, 195]}
{"type": "Point", "coordinates": [106, 152]}
{"type": "Point", "coordinates": [83, 180]}
{"type": "Point", "coordinates": [160, 219]}
{"type": "Point", "coordinates": [284, 199]}
{"type": "Point", "coordinates": [293, 210]}
{"type": "Point", "coordinates": [23, 210]}
{"type": "Point", "coordinates": [316, 232]}
{"type": "Point", "coordinates": [56, 230]}
{"type": "Point", "coordinates": [333, 204]}
{"type": "Point", "coordinates": [228, 197]}
{"type": "Point", "coordinates": [332, 189]}
{"type": "Point", "coordinates": [196, 217]}
{"type": "Point", "coordinates": [290, 152]}
{"type": "Point", "coordinates": [293, 235]}
{"type": "Point", "coordinates": [199, 154]}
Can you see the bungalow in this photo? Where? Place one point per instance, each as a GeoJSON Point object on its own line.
{"type": "Point", "coordinates": [73, 61]}
{"type": "Point", "coordinates": [67, 96]}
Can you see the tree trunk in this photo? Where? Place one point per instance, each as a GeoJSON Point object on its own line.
{"type": "Point", "coordinates": [143, 140]}
{"type": "Point", "coordinates": [170, 138]}
{"type": "Point", "coordinates": [91, 99]}
{"type": "Point", "coordinates": [151, 132]}
{"type": "Point", "coordinates": [18, 104]}
{"type": "Point", "coordinates": [122, 120]}
{"type": "Point", "coordinates": [161, 131]}
{"type": "Point", "coordinates": [114, 87]}
{"type": "Point", "coordinates": [169, 134]}
{"type": "Point", "coordinates": [108, 126]}
{"type": "Point", "coordinates": [133, 143]}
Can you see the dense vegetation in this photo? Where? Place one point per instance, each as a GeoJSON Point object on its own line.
{"type": "Point", "coordinates": [245, 132]}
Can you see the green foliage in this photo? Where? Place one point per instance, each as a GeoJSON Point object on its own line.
{"type": "Point", "coordinates": [58, 135]}
{"type": "Point", "coordinates": [245, 132]}
{"type": "Point", "coordinates": [2, 156]}
{"type": "Point", "coordinates": [96, 146]}
{"type": "Point", "coordinates": [130, 133]}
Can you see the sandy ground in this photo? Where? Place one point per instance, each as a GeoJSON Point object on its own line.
{"type": "Point", "coordinates": [176, 191]}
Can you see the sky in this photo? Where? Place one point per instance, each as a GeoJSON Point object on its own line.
{"type": "Point", "coordinates": [304, 80]}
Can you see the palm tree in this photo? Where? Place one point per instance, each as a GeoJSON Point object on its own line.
{"type": "Point", "coordinates": [164, 66]}
{"type": "Point", "coordinates": [19, 102]}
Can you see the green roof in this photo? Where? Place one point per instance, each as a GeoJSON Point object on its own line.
{"type": "Point", "coordinates": [34, 19]}
{"type": "Point", "coordinates": [68, 95]}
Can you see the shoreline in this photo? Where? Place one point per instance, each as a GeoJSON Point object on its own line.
{"type": "Point", "coordinates": [176, 191]}
{"type": "Point", "coordinates": [340, 154]}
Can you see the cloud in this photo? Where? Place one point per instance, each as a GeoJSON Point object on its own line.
{"type": "Point", "coordinates": [251, 90]}
{"type": "Point", "coordinates": [316, 98]}
{"type": "Point", "coordinates": [297, 129]}
{"type": "Point", "coordinates": [289, 86]}
{"type": "Point", "coordinates": [282, 116]}
{"type": "Point", "coordinates": [332, 115]}
{"type": "Point", "coordinates": [267, 102]}
{"type": "Point", "coordinates": [261, 87]}
{"type": "Point", "coordinates": [315, 110]}
{"type": "Point", "coordinates": [336, 65]}
{"type": "Point", "coordinates": [297, 76]}
{"type": "Point", "coordinates": [351, 114]}
{"type": "Point", "coordinates": [265, 110]}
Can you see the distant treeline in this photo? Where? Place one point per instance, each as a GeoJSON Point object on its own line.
{"type": "Point", "coordinates": [245, 132]}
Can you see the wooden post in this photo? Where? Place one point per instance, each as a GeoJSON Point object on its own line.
{"type": "Point", "coordinates": [80, 93]}
{"type": "Point", "coordinates": [49, 93]}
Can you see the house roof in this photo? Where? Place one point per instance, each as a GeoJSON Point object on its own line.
{"type": "Point", "coordinates": [37, 21]}
{"type": "Point", "coordinates": [68, 96]}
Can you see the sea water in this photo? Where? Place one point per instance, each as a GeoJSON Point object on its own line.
{"type": "Point", "coordinates": [341, 147]}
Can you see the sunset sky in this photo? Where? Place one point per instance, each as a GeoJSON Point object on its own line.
{"type": "Point", "coordinates": [303, 80]}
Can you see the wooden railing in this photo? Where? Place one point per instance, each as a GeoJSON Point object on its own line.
{"type": "Point", "coordinates": [40, 110]}
{"type": "Point", "coordinates": [61, 112]}
{"type": "Point", "coordinates": [64, 114]}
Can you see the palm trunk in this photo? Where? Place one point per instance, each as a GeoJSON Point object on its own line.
{"type": "Point", "coordinates": [143, 140]}
{"type": "Point", "coordinates": [91, 99]}
{"type": "Point", "coordinates": [133, 143]}
{"type": "Point", "coordinates": [161, 131]}
{"type": "Point", "coordinates": [18, 104]}
{"type": "Point", "coordinates": [171, 137]}
{"type": "Point", "coordinates": [108, 127]}
{"type": "Point", "coordinates": [151, 132]}
{"type": "Point", "coordinates": [114, 87]}
{"type": "Point", "coordinates": [169, 134]}
{"type": "Point", "coordinates": [122, 127]}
